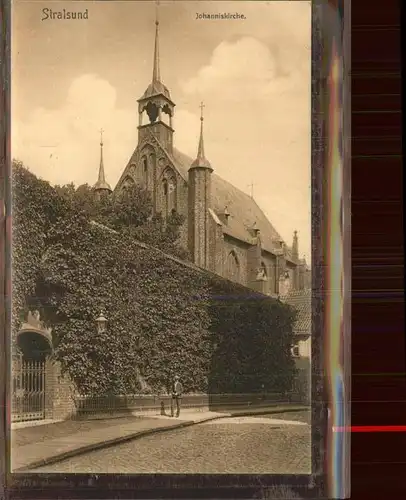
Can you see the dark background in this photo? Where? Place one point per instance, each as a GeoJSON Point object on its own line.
{"type": "Point", "coordinates": [378, 331]}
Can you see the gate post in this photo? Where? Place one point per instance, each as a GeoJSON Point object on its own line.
{"type": "Point", "coordinates": [16, 394]}
{"type": "Point", "coordinates": [50, 382]}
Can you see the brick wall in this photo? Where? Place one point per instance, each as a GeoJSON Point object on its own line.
{"type": "Point", "coordinates": [216, 244]}
{"type": "Point", "coordinates": [198, 216]}
{"type": "Point", "coordinates": [182, 208]}
{"type": "Point", "coordinates": [253, 264]}
{"type": "Point", "coordinates": [59, 392]}
{"type": "Point", "coordinates": [160, 130]}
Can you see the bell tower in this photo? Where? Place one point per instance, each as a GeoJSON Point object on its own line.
{"type": "Point", "coordinates": [155, 107]}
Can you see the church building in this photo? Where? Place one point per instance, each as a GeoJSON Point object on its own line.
{"type": "Point", "coordinates": [225, 231]}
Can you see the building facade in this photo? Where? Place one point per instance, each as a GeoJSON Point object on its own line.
{"type": "Point", "coordinates": [225, 231]}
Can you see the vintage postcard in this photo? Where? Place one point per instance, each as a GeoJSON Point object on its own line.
{"type": "Point", "coordinates": [162, 238]}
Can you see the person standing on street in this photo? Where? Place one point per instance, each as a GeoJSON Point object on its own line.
{"type": "Point", "coordinates": [176, 395]}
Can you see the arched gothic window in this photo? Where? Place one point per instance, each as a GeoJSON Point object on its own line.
{"type": "Point", "coordinates": [233, 267]}
{"type": "Point", "coordinates": [128, 181]}
{"type": "Point", "coordinates": [143, 172]}
{"type": "Point", "coordinates": [168, 192]}
{"type": "Point", "coordinates": [262, 272]}
{"type": "Point", "coordinates": [171, 195]}
{"type": "Point", "coordinates": [285, 283]}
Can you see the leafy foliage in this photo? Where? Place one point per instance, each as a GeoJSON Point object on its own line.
{"type": "Point", "coordinates": [164, 315]}
{"type": "Point", "coordinates": [148, 302]}
{"type": "Point", "coordinates": [36, 206]}
{"type": "Point", "coordinates": [254, 338]}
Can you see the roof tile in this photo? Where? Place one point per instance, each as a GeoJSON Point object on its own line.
{"type": "Point", "coordinates": [244, 211]}
{"type": "Point", "coordinates": [301, 301]}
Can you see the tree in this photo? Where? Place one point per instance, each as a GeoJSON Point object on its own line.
{"type": "Point", "coordinates": [131, 208]}
{"type": "Point", "coordinates": [36, 207]}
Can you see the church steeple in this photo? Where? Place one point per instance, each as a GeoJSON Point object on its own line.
{"type": "Point", "coordinates": [201, 161]}
{"type": "Point", "coordinates": [156, 102]}
{"type": "Point", "coordinates": [156, 74]}
{"type": "Point", "coordinates": [101, 184]}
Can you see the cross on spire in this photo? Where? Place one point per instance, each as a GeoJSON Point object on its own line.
{"type": "Point", "coordinates": [251, 186]}
{"type": "Point", "coordinates": [101, 168]}
{"type": "Point", "coordinates": [157, 12]}
{"type": "Point", "coordinates": [200, 152]}
{"type": "Point", "coordinates": [101, 183]}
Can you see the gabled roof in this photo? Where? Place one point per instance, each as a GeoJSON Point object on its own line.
{"type": "Point", "coordinates": [301, 301]}
{"type": "Point", "coordinates": [155, 89]}
{"type": "Point", "coordinates": [244, 211]}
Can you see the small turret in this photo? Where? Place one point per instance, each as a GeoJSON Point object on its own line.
{"type": "Point", "coordinates": [199, 203]}
{"type": "Point", "coordinates": [102, 187]}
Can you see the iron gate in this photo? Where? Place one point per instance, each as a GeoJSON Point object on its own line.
{"type": "Point", "coordinates": [28, 391]}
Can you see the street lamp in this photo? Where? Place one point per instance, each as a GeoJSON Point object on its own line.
{"type": "Point", "coordinates": [101, 323]}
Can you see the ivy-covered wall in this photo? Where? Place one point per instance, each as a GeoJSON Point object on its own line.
{"type": "Point", "coordinates": [253, 338]}
{"type": "Point", "coordinates": [165, 316]}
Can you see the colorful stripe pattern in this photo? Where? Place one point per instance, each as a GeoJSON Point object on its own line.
{"type": "Point", "coordinates": [337, 442]}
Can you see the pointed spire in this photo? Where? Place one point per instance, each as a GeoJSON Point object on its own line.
{"type": "Point", "coordinates": [156, 87]}
{"type": "Point", "coordinates": [156, 75]}
{"type": "Point", "coordinates": [101, 168]}
{"type": "Point", "coordinates": [200, 151]}
{"type": "Point", "coordinates": [201, 159]}
{"type": "Point", "coordinates": [101, 181]}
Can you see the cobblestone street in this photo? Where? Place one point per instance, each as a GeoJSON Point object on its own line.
{"type": "Point", "coordinates": [261, 444]}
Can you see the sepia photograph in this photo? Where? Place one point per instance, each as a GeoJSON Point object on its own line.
{"type": "Point", "coordinates": [161, 237]}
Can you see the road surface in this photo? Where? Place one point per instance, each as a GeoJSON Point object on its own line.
{"type": "Point", "coordinates": [267, 444]}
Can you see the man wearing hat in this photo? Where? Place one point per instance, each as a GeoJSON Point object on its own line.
{"type": "Point", "coordinates": [176, 395]}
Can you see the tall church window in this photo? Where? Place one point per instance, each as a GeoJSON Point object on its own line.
{"type": "Point", "coordinates": [171, 195]}
{"type": "Point", "coordinates": [164, 197]}
{"type": "Point", "coordinates": [143, 172]}
{"type": "Point", "coordinates": [168, 193]}
{"type": "Point", "coordinates": [285, 284]}
{"type": "Point", "coordinates": [128, 181]}
{"type": "Point", "coordinates": [233, 267]}
{"type": "Point", "coordinates": [262, 273]}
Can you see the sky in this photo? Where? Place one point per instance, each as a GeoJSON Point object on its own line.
{"type": "Point", "coordinates": [70, 78]}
